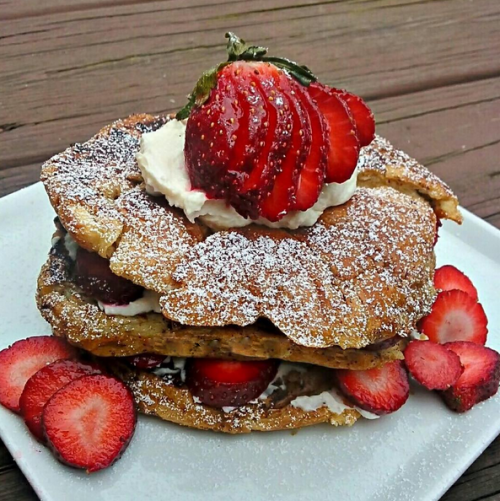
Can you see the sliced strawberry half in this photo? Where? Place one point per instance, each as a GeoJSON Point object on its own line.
{"type": "Point", "coordinates": [221, 383]}
{"type": "Point", "coordinates": [344, 144]}
{"type": "Point", "coordinates": [43, 384]}
{"type": "Point", "coordinates": [433, 365]}
{"type": "Point", "coordinates": [362, 115]}
{"type": "Point", "coordinates": [282, 196]}
{"type": "Point", "coordinates": [479, 380]}
{"type": "Point", "coordinates": [448, 278]}
{"type": "Point", "coordinates": [455, 316]}
{"type": "Point", "coordinates": [90, 421]}
{"type": "Point", "coordinates": [21, 360]}
{"type": "Point", "coordinates": [312, 174]}
{"type": "Point", "coordinates": [381, 390]}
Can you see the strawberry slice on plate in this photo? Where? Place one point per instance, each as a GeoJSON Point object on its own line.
{"type": "Point", "coordinates": [343, 153]}
{"type": "Point", "coordinates": [381, 390]}
{"type": "Point", "coordinates": [89, 422]}
{"type": "Point", "coordinates": [21, 360]}
{"type": "Point", "coordinates": [455, 316]}
{"type": "Point", "coordinates": [433, 365]}
{"type": "Point", "coordinates": [479, 380]}
{"type": "Point", "coordinates": [43, 384]}
{"type": "Point", "coordinates": [221, 383]}
{"type": "Point", "coordinates": [448, 278]}
{"type": "Point", "coordinates": [362, 115]}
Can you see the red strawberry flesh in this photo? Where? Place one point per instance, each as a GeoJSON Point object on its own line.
{"type": "Point", "coordinates": [221, 383]}
{"type": "Point", "coordinates": [432, 365]}
{"type": "Point", "coordinates": [282, 196]}
{"type": "Point", "coordinates": [479, 380]}
{"type": "Point", "coordinates": [90, 421]}
{"type": "Point", "coordinates": [448, 278]}
{"type": "Point", "coordinates": [211, 133]}
{"type": "Point", "coordinates": [94, 276]}
{"type": "Point", "coordinates": [312, 174]}
{"type": "Point", "coordinates": [279, 123]}
{"type": "Point", "coordinates": [381, 390]}
{"type": "Point", "coordinates": [23, 359]}
{"type": "Point", "coordinates": [455, 316]}
{"type": "Point", "coordinates": [362, 115]}
{"type": "Point", "coordinates": [43, 384]}
{"type": "Point", "coordinates": [343, 153]}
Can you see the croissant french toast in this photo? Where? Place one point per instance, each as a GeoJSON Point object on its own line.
{"type": "Point", "coordinates": [263, 227]}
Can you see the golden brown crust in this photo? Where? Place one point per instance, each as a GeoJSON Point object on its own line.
{"type": "Point", "coordinates": [156, 397]}
{"type": "Point", "coordinates": [362, 274]}
{"type": "Point", "coordinates": [382, 164]}
{"type": "Point", "coordinates": [294, 278]}
{"type": "Point", "coordinates": [79, 320]}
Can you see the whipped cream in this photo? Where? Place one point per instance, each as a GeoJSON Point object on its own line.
{"type": "Point", "coordinates": [163, 167]}
{"type": "Point", "coordinates": [150, 301]}
{"type": "Point", "coordinates": [331, 399]}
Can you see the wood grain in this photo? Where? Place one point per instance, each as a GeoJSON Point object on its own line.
{"type": "Point", "coordinates": [429, 69]}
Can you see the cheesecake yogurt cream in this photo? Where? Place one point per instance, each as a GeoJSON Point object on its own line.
{"type": "Point", "coordinates": [163, 167]}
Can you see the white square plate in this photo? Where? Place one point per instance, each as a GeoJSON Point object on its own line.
{"type": "Point", "coordinates": [416, 453]}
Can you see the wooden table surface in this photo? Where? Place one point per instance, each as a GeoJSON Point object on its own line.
{"type": "Point", "coordinates": [429, 69]}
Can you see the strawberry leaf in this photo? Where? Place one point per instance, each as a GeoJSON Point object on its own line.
{"type": "Point", "coordinates": [238, 50]}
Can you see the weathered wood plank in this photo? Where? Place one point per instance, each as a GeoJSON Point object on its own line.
{"type": "Point", "coordinates": [14, 486]}
{"type": "Point", "coordinates": [145, 57]}
{"type": "Point", "coordinates": [455, 131]}
{"type": "Point", "coordinates": [5, 457]}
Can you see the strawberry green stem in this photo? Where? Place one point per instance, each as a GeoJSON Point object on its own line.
{"type": "Point", "coordinates": [239, 50]}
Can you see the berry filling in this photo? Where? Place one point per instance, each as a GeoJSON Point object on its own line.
{"type": "Point", "coordinates": [94, 276]}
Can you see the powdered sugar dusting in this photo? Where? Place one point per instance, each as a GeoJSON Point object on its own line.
{"type": "Point", "coordinates": [155, 238]}
{"type": "Point", "coordinates": [382, 161]}
{"type": "Point", "coordinates": [340, 282]}
{"type": "Point", "coordinates": [362, 274]}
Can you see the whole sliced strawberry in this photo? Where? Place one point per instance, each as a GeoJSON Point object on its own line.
{"type": "Point", "coordinates": [448, 278]}
{"type": "Point", "coordinates": [362, 115]}
{"type": "Point", "coordinates": [93, 275]}
{"type": "Point", "coordinates": [221, 383]}
{"type": "Point", "coordinates": [21, 360]}
{"type": "Point", "coordinates": [43, 384]}
{"type": "Point", "coordinates": [312, 174]}
{"type": "Point", "coordinates": [146, 361]}
{"type": "Point", "coordinates": [455, 316]}
{"type": "Point", "coordinates": [283, 194]}
{"type": "Point", "coordinates": [381, 390]}
{"type": "Point", "coordinates": [90, 421]}
{"type": "Point", "coordinates": [479, 380]}
{"type": "Point", "coordinates": [432, 365]}
{"type": "Point", "coordinates": [344, 144]}
{"type": "Point", "coordinates": [214, 163]}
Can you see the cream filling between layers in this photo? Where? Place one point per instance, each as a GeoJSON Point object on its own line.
{"type": "Point", "coordinates": [163, 167]}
